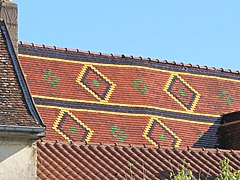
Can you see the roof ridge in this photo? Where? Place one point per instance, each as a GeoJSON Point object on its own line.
{"type": "Point", "coordinates": [143, 146]}
{"type": "Point", "coordinates": [133, 57]}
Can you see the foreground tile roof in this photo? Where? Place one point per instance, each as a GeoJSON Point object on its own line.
{"type": "Point", "coordinates": [78, 161]}
{"type": "Point", "coordinates": [16, 105]}
{"type": "Point", "coordinates": [94, 97]}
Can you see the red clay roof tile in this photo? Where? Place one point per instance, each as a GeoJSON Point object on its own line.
{"type": "Point", "coordinates": [69, 161]}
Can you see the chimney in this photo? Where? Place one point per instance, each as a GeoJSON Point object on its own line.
{"type": "Point", "coordinates": [9, 13]}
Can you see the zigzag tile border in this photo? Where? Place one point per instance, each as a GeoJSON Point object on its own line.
{"type": "Point", "coordinates": [171, 81]}
{"type": "Point", "coordinates": [59, 120]}
{"type": "Point", "coordinates": [123, 62]}
{"type": "Point", "coordinates": [203, 106]}
{"type": "Point", "coordinates": [118, 109]}
{"type": "Point", "coordinates": [148, 130]}
{"type": "Point", "coordinates": [108, 90]}
{"type": "Point", "coordinates": [133, 127]}
{"type": "Point", "coordinates": [135, 102]}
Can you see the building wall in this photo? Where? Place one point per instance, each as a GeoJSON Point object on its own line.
{"type": "Point", "coordinates": [17, 159]}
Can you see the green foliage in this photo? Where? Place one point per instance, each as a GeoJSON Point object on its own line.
{"type": "Point", "coordinates": [227, 172]}
{"type": "Point", "coordinates": [183, 174]}
{"type": "Point", "coordinates": [130, 165]}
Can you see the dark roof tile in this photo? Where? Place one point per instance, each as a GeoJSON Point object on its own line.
{"type": "Point", "coordinates": [229, 132]}
{"type": "Point", "coordinates": [22, 44]}
{"type": "Point", "coordinates": [16, 106]}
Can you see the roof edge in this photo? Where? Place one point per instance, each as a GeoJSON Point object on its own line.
{"type": "Point", "coordinates": [22, 129]}
{"type": "Point", "coordinates": [20, 77]}
{"type": "Point", "coordinates": [189, 65]}
{"type": "Point", "coordinates": [22, 132]}
{"type": "Point", "coordinates": [143, 146]}
{"type": "Point", "coordinates": [230, 118]}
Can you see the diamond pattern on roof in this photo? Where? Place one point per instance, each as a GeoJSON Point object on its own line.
{"type": "Point", "coordinates": [71, 128]}
{"type": "Point", "coordinates": [95, 83]}
{"type": "Point", "coordinates": [138, 95]}
{"type": "Point", "coordinates": [158, 133]}
{"type": "Point", "coordinates": [185, 95]}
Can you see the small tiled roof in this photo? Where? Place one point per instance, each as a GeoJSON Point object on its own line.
{"type": "Point", "coordinates": [229, 133]}
{"type": "Point", "coordinates": [16, 106]}
{"type": "Point", "coordinates": [96, 97]}
{"type": "Point", "coordinates": [78, 161]}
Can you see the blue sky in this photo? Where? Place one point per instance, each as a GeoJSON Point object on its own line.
{"type": "Point", "coordinates": [205, 32]}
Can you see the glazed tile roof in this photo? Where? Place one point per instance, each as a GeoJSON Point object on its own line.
{"type": "Point", "coordinates": [94, 97]}
{"type": "Point", "coordinates": [16, 105]}
{"type": "Point", "coordinates": [78, 161]}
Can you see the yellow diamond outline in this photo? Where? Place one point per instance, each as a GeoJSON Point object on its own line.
{"type": "Point", "coordinates": [80, 76]}
{"type": "Point", "coordinates": [58, 120]}
{"type": "Point", "coordinates": [148, 127]}
{"type": "Point", "coordinates": [198, 95]}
